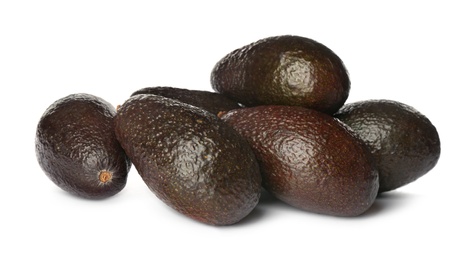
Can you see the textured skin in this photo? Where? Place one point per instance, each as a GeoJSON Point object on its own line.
{"type": "Point", "coordinates": [190, 159]}
{"type": "Point", "coordinates": [309, 159]}
{"type": "Point", "coordinates": [404, 143]}
{"type": "Point", "coordinates": [210, 101]}
{"type": "Point", "coordinates": [75, 141]}
{"type": "Point", "coordinates": [283, 70]}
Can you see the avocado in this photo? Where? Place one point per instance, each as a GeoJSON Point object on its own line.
{"type": "Point", "coordinates": [189, 158]}
{"type": "Point", "coordinates": [404, 142]}
{"type": "Point", "coordinates": [77, 149]}
{"type": "Point", "coordinates": [210, 101]}
{"type": "Point", "coordinates": [283, 70]}
{"type": "Point", "coordinates": [308, 159]}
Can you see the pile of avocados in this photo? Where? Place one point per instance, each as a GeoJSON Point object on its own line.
{"type": "Point", "coordinates": [275, 119]}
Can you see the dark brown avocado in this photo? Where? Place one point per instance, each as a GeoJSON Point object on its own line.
{"type": "Point", "coordinates": [189, 158]}
{"type": "Point", "coordinates": [404, 142]}
{"type": "Point", "coordinates": [283, 70]}
{"type": "Point", "coordinates": [308, 159]}
{"type": "Point", "coordinates": [77, 149]}
{"type": "Point", "coordinates": [210, 101]}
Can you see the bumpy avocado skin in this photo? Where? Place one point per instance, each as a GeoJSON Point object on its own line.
{"type": "Point", "coordinates": [309, 159]}
{"type": "Point", "coordinates": [283, 70]}
{"type": "Point", "coordinates": [189, 158]}
{"type": "Point", "coordinates": [210, 101]}
{"type": "Point", "coordinates": [404, 143]}
{"type": "Point", "coordinates": [77, 149]}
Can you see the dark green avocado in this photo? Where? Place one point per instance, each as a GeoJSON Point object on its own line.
{"type": "Point", "coordinates": [77, 149]}
{"type": "Point", "coordinates": [404, 142]}
{"type": "Point", "coordinates": [189, 158]}
{"type": "Point", "coordinates": [308, 159]}
{"type": "Point", "coordinates": [210, 101]}
{"type": "Point", "coordinates": [283, 70]}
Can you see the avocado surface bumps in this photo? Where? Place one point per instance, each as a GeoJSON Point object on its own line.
{"type": "Point", "coordinates": [210, 101]}
{"type": "Point", "coordinates": [309, 159]}
{"type": "Point", "coordinates": [189, 158]}
{"type": "Point", "coordinates": [77, 149]}
{"type": "Point", "coordinates": [283, 70]}
{"type": "Point", "coordinates": [403, 142]}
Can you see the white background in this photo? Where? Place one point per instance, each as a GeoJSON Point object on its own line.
{"type": "Point", "coordinates": [420, 53]}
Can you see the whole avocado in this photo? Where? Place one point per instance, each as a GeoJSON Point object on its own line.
{"type": "Point", "coordinates": [283, 70]}
{"type": "Point", "coordinates": [308, 159]}
{"type": "Point", "coordinates": [404, 143]}
{"type": "Point", "coordinates": [210, 101]}
{"type": "Point", "coordinates": [189, 158]}
{"type": "Point", "coordinates": [77, 149]}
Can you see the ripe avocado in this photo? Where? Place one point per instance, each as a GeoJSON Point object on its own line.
{"type": "Point", "coordinates": [77, 149]}
{"type": "Point", "coordinates": [283, 70]}
{"type": "Point", "coordinates": [404, 142]}
{"type": "Point", "coordinates": [308, 159]}
{"type": "Point", "coordinates": [189, 158]}
{"type": "Point", "coordinates": [210, 101]}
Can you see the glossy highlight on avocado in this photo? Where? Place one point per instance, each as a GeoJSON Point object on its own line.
{"type": "Point", "coordinates": [77, 149]}
{"type": "Point", "coordinates": [189, 158]}
{"type": "Point", "coordinates": [283, 70]}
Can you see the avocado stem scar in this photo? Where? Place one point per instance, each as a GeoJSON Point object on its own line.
{"type": "Point", "coordinates": [105, 176]}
